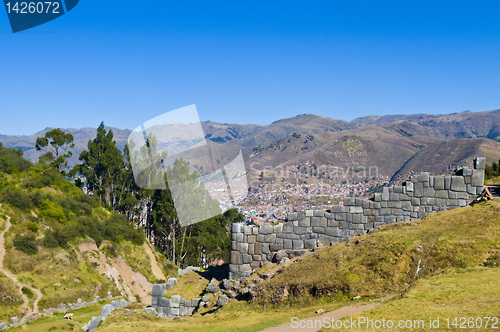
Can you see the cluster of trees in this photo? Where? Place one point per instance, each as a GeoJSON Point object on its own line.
{"type": "Point", "coordinates": [107, 173]}
{"type": "Point", "coordinates": [492, 171]}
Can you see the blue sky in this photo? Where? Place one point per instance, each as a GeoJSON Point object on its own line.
{"type": "Point", "coordinates": [125, 62]}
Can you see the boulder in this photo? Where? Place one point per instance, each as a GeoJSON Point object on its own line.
{"type": "Point", "coordinates": [227, 284]}
{"type": "Point", "coordinates": [106, 310]}
{"type": "Point", "coordinates": [279, 256]}
{"type": "Point", "coordinates": [158, 290]}
{"type": "Point", "coordinates": [212, 288]}
{"type": "Point", "coordinates": [94, 322]}
{"type": "Point", "coordinates": [222, 300]}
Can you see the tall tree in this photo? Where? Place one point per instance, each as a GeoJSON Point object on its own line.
{"type": "Point", "coordinates": [57, 145]}
{"type": "Point", "coordinates": [103, 166]}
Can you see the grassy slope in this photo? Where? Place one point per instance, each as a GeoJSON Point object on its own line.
{"type": "Point", "coordinates": [471, 292]}
{"type": "Point", "coordinates": [387, 261]}
{"type": "Point", "coordinates": [453, 247]}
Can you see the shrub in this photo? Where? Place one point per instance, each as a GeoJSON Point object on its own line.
{"type": "Point", "coordinates": [26, 243]}
{"type": "Point", "coordinates": [17, 198]}
{"type": "Point", "coordinates": [52, 210]}
{"type": "Point", "coordinates": [33, 226]}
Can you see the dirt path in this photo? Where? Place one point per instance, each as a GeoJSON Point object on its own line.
{"type": "Point", "coordinates": [128, 281]}
{"type": "Point", "coordinates": [26, 308]}
{"type": "Point", "coordinates": [157, 271]}
{"type": "Point", "coordinates": [335, 315]}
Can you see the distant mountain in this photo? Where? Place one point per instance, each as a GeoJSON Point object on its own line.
{"type": "Point", "coordinates": [396, 144]}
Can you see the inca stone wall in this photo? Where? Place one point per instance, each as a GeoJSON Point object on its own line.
{"type": "Point", "coordinates": [254, 246]}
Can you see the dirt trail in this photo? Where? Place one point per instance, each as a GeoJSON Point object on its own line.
{"type": "Point", "coordinates": [26, 308]}
{"type": "Point", "coordinates": [157, 271]}
{"type": "Point", "coordinates": [128, 281]}
{"type": "Point", "coordinates": [335, 315]}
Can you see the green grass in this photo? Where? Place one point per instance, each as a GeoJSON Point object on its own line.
{"type": "Point", "coordinates": [137, 258]}
{"type": "Point", "coordinates": [57, 323]}
{"type": "Point", "coordinates": [189, 286]}
{"type": "Point", "coordinates": [472, 292]}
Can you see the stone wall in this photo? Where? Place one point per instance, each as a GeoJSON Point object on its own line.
{"type": "Point", "coordinates": [254, 246]}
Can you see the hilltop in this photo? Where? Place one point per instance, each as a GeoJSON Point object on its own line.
{"type": "Point", "coordinates": [396, 144]}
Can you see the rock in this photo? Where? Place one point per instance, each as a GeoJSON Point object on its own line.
{"type": "Point", "coordinates": [97, 299]}
{"type": "Point", "coordinates": [123, 303]}
{"type": "Point", "coordinates": [115, 304]}
{"type": "Point", "coordinates": [205, 298]}
{"type": "Point", "coordinates": [158, 290]}
{"type": "Point", "coordinates": [226, 284]}
{"type": "Point", "coordinates": [222, 300]}
{"type": "Point", "coordinates": [212, 288]}
{"type": "Point", "coordinates": [171, 283]}
{"type": "Point", "coordinates": [175, 301]}
{"type": "Point", "coordinates": [280, 255]}
{"type": "Point", "coordinates": [106, 310]}
{"type": "Point", "coordinates": [85, 327]}
{"type": "Point", "coordinates": [284, 260]}
{"type": "Point", "coordinates": [232, 294]}
{"type": "Point", "coordinates": [126, 311]}
{"type": "Point", "coordinates": [319, 311]}
{"type": "Point", "coordinates": [94, 322]}
{"type": "Point", "coordinates": [244, 290]}
{"type": "Point", "coordinates": [79, 301]}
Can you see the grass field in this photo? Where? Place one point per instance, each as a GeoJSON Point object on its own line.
{"type": "Point", "coordinates": [472, 292]}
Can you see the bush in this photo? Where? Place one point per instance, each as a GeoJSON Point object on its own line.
{"type": "Point", "coordinates": [33, 226]}
{"type": "Point", "coordinates": [52, 210]}
{"type": "Point", "coordinates": [26, 243]}
{"type": "Point", "coordinates": [17, 198]}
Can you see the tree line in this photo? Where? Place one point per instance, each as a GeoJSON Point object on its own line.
{"type": "Point", "coordinates": [107, 173]}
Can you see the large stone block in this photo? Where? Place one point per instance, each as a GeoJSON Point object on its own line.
{"type": "Point", "coordinates": [270, 238]}
{"type": "Point", "coordinates": [418, 190]}
{"type": "Point", "coordinates": [310, 244]}
{"type": "Point", "coordinates": [298, 244]}
{"type": "Point", "coordinates": [309, 213]}
{"type": "Point", "coordinates": [243, 247]}
{"type": "Point", "coordinates": [394, 196]}
{"type": "Point", "coordinates": [447, 183]}
{"type": "Point", "coordinates": [292, 216]}
{"type": "Point", "coordinates": [278, 228]}
{"type": "Point", "coordinates": [394, 204]}
{"type": "Point", "coordinates": [319, 213]}
{"type": "Point", "coordinates": [266, 228]}
{"type": "Point", "coordinates": [385, 194]}
{"type": "Point", "coordinates": [239, 237]}
{"type": "Point", "coordinates": [158, 290]}
{"type": "Point", "coordinates": [276, 246]}
{"type": "Point", "coordinates": [348, 201]}
{"type": "Point", "coordinates": [264, 247]}
{"type": "Point", "coordinates": [409, 186]}
{"type": "Point", "coordinates": [247, 259]}
{"type": "Point", "coordinates": [377, 197]}
{"type": "Point", "coordinates": [175, 301]}
{"type": "Point", "coordinates": [423, 177]}
{"type": "Point", "coordinates": [438, 183]}
{"type": "Point", "coordinates": [319, 230]}
{"type": "Point", "coordinates": [163, 302]}
{"type": "Point", "coordinates": [480, 163]}
{"type": "Point", "coordinates": [287, 244]}
{"type": "Point", "coordinates": [477, 178]}
{"type": "Point", "coordinates": [235, 258]}
{"type": "Point", "coordinates": [251, 249]}
{"type": "Point", "coordinates": [355, 209]}
{"type": "Point", "coordinates": [251, 239]}
{"type": "Point", "coordinates": [236, 228]}
{"type": "Point", "coordinates": [302, 230]}
{"type": "Point", "coordinates": [458, 183]}
{"type": "Point", "coordinates": [429, 192]}
{"type": "Point", "coordinates": [247, 230]}
{"type": "Point", "coordinates": [306, 222]}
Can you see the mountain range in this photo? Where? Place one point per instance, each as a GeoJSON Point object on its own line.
{"type": "Point", "coordinates": [397, 144]}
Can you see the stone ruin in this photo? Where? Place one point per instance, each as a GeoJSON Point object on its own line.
{"type": "Point", "coordinates": [255, 246]}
